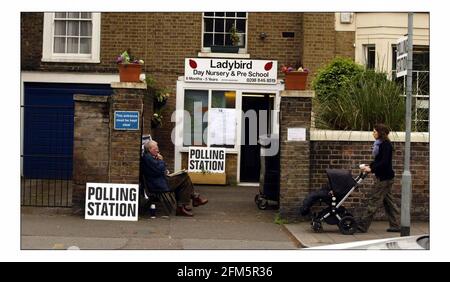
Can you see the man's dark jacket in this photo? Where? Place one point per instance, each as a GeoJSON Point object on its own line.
{"type": "Point", "coordinates": [154, 172]}
{"type": "Point", "coordinates": [382, 165]}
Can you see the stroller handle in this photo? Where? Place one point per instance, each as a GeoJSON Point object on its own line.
{"type": "Point", "coordinates": [362, 175]}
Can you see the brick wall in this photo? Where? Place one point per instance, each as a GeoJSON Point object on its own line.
{"type": "Point", "coordinates": [275, 46]}
{"type": "Point", "coordinates": [148, 112]}
{"type": "Point", "coordinates": [125, 144]}
{"type": "Point", "coordinates": [321, 43]}
{"type": "Point", "coordinates": [164, 40]}
{"type": "Point", "coordinates": [31, 25]}
{"type": "Point", "coordinates": [102, 154]}
{"type": "Point", "coordinates": [90, 144]}
{"type": "Point", "coordinates": [294, 156]}
{"type": "Point", "coordinates": [348, 155]}
{"type": "Point", "coordinates": [344, 44]}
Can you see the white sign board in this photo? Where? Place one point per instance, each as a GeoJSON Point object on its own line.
{"type": "Point", "coordinates": [296, 134]}
{"type": "Point", "coordinates": [111, 201]}
{"type": "Point", "coordinates": [223, 121]}
{"type": "Point", "coordinates": [203, 159]}
{"type": "Point", "coordinates": [230, 71]}
{"type": "Point", "coordinates": [402, 56]}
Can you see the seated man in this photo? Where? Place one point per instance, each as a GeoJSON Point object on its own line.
{"type": "Point", "coordinates": [156, 175]}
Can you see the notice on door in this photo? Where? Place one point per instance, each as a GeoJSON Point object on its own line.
{"type": "Point", "coordinates": [206, 160]}
{"type": "Point", "coordinates": [110, 201]}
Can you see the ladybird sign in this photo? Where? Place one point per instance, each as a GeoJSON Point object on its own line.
{"type": "Point", "coordinates": [230, 71]}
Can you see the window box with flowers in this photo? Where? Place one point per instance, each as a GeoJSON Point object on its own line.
{"type": "Point", "coordinates": [295, 78]}
{"type": "Point", "coordinates": [130, 68]}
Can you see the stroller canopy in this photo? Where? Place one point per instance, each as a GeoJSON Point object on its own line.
{"type": "Point", "coordinates": [340, 181]}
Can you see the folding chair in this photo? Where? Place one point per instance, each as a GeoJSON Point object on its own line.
{"type": "Point", "coordinates": [166, 198]}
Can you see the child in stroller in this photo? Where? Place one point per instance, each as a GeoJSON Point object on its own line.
{"type": "Point", "coordinates": [340, 185]}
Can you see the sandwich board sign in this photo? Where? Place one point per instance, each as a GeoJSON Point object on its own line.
{"type": "Point", "coordinates": [112, 201]}
{"type": "Point", "coordinates": [203, 159]}
{"type": "Point", "coordinates": [402, 56]}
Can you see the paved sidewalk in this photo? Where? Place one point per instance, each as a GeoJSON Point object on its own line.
{"type": "Point", "coordinates": [305, 237]}
{"type": "Point", "coordinates": [230, 220]}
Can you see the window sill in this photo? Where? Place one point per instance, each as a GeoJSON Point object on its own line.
{"type": "Point", "coordinates": [223, 55]}
{"type": "Point", "coordinates": [71, 60]}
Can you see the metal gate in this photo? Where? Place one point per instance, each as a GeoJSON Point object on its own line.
{"type": "Point", "coordinates": [47, 142]}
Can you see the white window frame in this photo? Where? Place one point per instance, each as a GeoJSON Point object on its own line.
{"type": "Point", "coordinates": [47, 43]}
{"type": "Point", "coordinates": [366, 48]}
{"type": "Point", "coordinates": [242, 51]}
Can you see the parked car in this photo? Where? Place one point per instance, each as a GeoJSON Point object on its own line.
{"type": "Point", "coordinates": [417, 242]}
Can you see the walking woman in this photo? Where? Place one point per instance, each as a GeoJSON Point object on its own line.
{"type": "Point", "coordinates": [384, 178]}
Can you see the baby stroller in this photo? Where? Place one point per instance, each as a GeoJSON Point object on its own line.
{"type": "Point", "coordinates": [340, 185]}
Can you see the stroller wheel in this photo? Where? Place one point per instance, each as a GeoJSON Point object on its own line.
{"type": "Point", "coordinates": [262, 204]}
{"type": "Point", "coordinates": [347, 225]}
{"type": "Point", "coordinates": [316, 226]}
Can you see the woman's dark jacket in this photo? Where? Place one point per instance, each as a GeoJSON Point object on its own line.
{"type": "Point", "coordinates": [382, 165]}
{"type": "Point", "coordinates": [154, 172]}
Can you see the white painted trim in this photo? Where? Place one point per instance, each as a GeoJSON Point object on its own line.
{"type": "Point", "coordinates": [248, 184]}
{"type": "Point", "coordinates": [208, 54]}
{"type": "Point", "coordinates": [340, 135]}
{"type": "Point", "coordinates": [239, 88]}
{"type": "Point", "coordinates": [66, 77]}
{"type": "Point", "coordinates": [206, 51]}
{"type": "Point", "coordinates": [47, 43]}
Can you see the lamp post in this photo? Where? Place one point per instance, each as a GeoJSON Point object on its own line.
{"type": "Point", "coordinates": [405, 220]}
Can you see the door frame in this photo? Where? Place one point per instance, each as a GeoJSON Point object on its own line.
{"type": "Point", "coordinates": [274, 125]}
{"type": "Point", "coordinates": [272, 89]}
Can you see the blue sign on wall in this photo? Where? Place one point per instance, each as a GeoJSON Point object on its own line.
{"type": "Point", "coordinates": [126, 120]}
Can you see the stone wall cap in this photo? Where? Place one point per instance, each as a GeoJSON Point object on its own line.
{"type": "Point", "coordinates": [90, 98]}
{"type": "Point", "coordinates": [298, 93]}
{"type": "Point", "coordinates": [129, 85]}
{"type": "Point", "coordinates": [341, 135]}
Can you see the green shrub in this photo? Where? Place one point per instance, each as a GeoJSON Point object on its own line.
{"type": "Point", "coordinates": [333, 76]}
{"type": "Point", "coordinates": [360, 103]}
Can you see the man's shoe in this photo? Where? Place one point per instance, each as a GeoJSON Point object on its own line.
{"type": "Point", "coordinates": [181, 211]}
{"type": "Point", "coordinates": [393, 229]}
{"type": "Point", "coordinates": [198, 201]}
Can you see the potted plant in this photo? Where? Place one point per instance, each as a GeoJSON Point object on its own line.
{"type": "Point", "coordinates": [295, 78]}
{"type": "Point", "coordinates": [129, 67]}
{"type": "Point", "coordinates": [235, 39]}
{"type": "Point", "coordinates": [157, 120]}
{"type": "Point", "coordinates": [160, 98]}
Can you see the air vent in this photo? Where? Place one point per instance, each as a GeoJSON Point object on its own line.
{"type": "Point", "coordinates": [288, 34]}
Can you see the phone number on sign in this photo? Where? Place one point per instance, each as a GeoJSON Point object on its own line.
{"type": "Point", "coordinates": [268, 80]}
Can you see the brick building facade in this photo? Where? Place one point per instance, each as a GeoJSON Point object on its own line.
{"type": "Point", "coordinates": [165, 40]}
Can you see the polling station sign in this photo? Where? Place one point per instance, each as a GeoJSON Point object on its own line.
{"type": "Point", "coordinates": [206, 160]}
{"type": "Point", "coordinates": [111, 201]}
{"type": "Point", "coordinates": [230, 71]}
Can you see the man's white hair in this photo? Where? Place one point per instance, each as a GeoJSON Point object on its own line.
{"type": "Point", "coordinates": [150, 144]}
